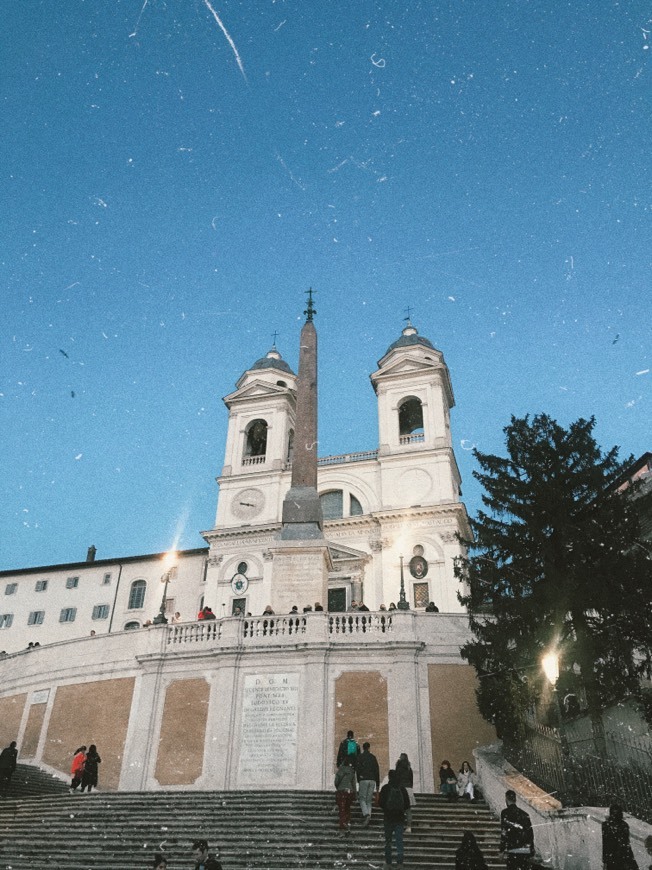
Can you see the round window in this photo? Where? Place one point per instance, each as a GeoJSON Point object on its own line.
{"type": "Point", "coordinates": [242, 568]}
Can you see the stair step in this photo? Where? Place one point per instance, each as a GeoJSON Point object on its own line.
{"type": "Point", "coordinates": [255, 830]}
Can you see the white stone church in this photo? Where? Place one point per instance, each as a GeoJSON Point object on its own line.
{"type": "Point", "coordinates": [247, 700]}
{"type": "Point", "coordinates": [401, 499]}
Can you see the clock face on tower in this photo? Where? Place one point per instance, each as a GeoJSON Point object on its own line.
{"type": "Point", "coordinates": [247, 503]}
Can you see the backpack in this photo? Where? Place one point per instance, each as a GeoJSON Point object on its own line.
{"type": "Point", "coordinates": [394, 804]}
{"type": "Point", "coordinates": [351, 747]}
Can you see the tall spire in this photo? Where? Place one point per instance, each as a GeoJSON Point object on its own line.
{"type": "Point", "coordinates": [302, 516]}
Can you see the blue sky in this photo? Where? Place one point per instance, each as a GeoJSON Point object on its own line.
{"type": "Point", "coordinates": [169, 191]}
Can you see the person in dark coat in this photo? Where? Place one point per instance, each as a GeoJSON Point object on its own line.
{"type": "Point", "coordinates": [160, 862]}
{"type": "Point", "coordinates": [204, 861]}
{"type": "Point", "coordinates": [8, 761]}
{"type": "Point", "coordinates": [394, 801]}
{"type": "Point", "coordinates": [616, 851]}
{"type": "Point", "coordinates": [447, 781]}
{"type": "Point", "coordinates": [516, 835]}
{"type": "Point", "coordinates": [468, 855]}
{"type": "Point", "coordinates": [90, 774]}
{"type": "Point", "coordinates": [406, 779]}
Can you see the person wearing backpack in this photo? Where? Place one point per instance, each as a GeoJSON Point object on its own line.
{"type": "Point", "coordinates": [348, 746]}
{"type": "Point", "coordinates": [345, 782]}
{"type": "Point", "coordinates": [394, 801]}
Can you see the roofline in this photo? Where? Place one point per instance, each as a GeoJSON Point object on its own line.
{"type": "Point", "coordinates": [632, 468]}
{"type": "Point", "coordinates": [120, 560]}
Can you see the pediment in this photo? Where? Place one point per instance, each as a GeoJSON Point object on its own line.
{"type": "Point", "coordinates": [340, 553]}
{"type": "Point", "coordinates": [402, 365]}
{"type": "Point", "coordinates": [256, 390]}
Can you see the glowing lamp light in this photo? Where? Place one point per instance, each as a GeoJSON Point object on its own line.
{"type": "Point", "coordinates": [169, 559]}
{"type": "Point", "coordinates": [550, 664]}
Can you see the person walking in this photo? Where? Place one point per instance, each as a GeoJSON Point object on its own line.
{"type": "Point", "coordinates": [406, 779]}
{"type": "Point", "coordinates": [368, 781]}
{"type": "Point", "coordinates": [345, 792]}
{"type": "Point", "coordinates": [77, 768]}
{"type": "Point", "coordinates": [516, 835]}
{"type": "Point", "coordinates": [90, 774]}
{"type": "Point", "coordinates": [394, 801]}
{"type": "Point", "coordinates": [616, 850]}
{"type": "Point", "coordinates": [468, 855]}
{"type": "Point", "coordinates": [8, 762]}
{"type": "Point", "coordinates": [204, 861]}
{"type": "Point", "coordinates": [348, 746]}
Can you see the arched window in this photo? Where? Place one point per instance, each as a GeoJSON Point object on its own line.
{"type": "Point", "coordinates": [137, 595]}
{"type": "Point", "coordinates": [410, 420]}
{"type": "Point", "coordinates": [255, 442]}
{"type": "Point", "coordinates": [290, 446]}
{"type": "Point", "coordinates": [334, 503]}
{"type": "Point", "coordinates": [130, 626]}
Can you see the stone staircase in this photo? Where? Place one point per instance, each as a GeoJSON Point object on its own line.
{"type": "Point", "coordinates": [31, 781]}
{"type": "Point", "coordinates": [257, 830]}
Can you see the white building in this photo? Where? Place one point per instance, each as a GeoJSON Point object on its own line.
{"type": "Point", "coordinates": [400, 499]}
{"type": "Point", "coordinates": [262, 702]}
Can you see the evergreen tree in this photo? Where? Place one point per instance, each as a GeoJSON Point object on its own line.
{"type": "Point", "coordinates": [557, 563]}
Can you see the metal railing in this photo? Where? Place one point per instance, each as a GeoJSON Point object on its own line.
{"type": "Point", "coordinates": [584, 778]}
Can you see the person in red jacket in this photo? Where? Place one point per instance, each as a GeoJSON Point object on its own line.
{"type": "Point", "coordinates": [77, 767]}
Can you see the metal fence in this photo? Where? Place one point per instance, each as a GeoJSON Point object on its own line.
{"type": "Point", "coordinates": [579, 776]}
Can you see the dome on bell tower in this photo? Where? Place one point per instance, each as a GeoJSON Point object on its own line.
{"type": "Point", "coordinates": [410, 336]}
{"type": "Point", "coordinates": [272, 360]}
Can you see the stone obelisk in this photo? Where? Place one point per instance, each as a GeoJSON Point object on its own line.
{"type": "Point", "coordinates": [301, 556]}
{"type": "Point", "coordinates": [302, 517]}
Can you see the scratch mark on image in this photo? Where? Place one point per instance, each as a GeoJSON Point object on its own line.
{"type": "Point", "coordinates": [380, 63]}
{"type": "Point", "coordinates": [138, 20]}
{"type": "Point", "coordinates": [228, 38]}
{"type": "Point", "coordinates": [289, 172]}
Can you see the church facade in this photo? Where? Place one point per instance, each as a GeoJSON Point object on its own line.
{"type": "Point", "coordinates": [254, 700]}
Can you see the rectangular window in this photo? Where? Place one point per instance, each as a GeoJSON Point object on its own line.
{"type": "Point", "coordinates": [41, 586]}
{"type": "Point", "coordinates": [72, 582]}
{"type": "Point", "coordinates": [169, 606]}
{"type": "Point", "coordinates": [238, 606]}
{"type": "Point", "coordinates": [6, 619]}
{"type": "Point", "coordinates": [420, 594]}
{"type": "Point", "coordinates": [106, 580]}
{"type": "Point", "coordinates": [100, 611]}
{"type": "Point", "coordinates": [36, 617]}
{"type": "Point", "coordinates": [68, 614]}
{"type": "Point", "coordinates": [10, 588]}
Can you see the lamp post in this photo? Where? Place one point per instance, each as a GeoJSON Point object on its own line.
{"type": "Point", "coordinates": [402, 603]}
{"type": "Point", "coordinates": [550, 665]}
{"type": "Point", "coordinates": [161, 618]}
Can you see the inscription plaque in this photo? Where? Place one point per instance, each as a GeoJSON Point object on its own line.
{"type": "Point", "coordinates": [270, 712]}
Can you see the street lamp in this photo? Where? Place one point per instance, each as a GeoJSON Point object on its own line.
{"type": "Point", "coordinates": [402, 603]}
{"type": "Point", "coordinates": [170, 558]}
{"type": "Point", "coordinates": [550, 665]}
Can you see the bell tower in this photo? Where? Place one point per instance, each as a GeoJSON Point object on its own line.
{"type": "Point", "coordinates": [415, 396]}
{"type": "Point", "coordinates": [259, 442]}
